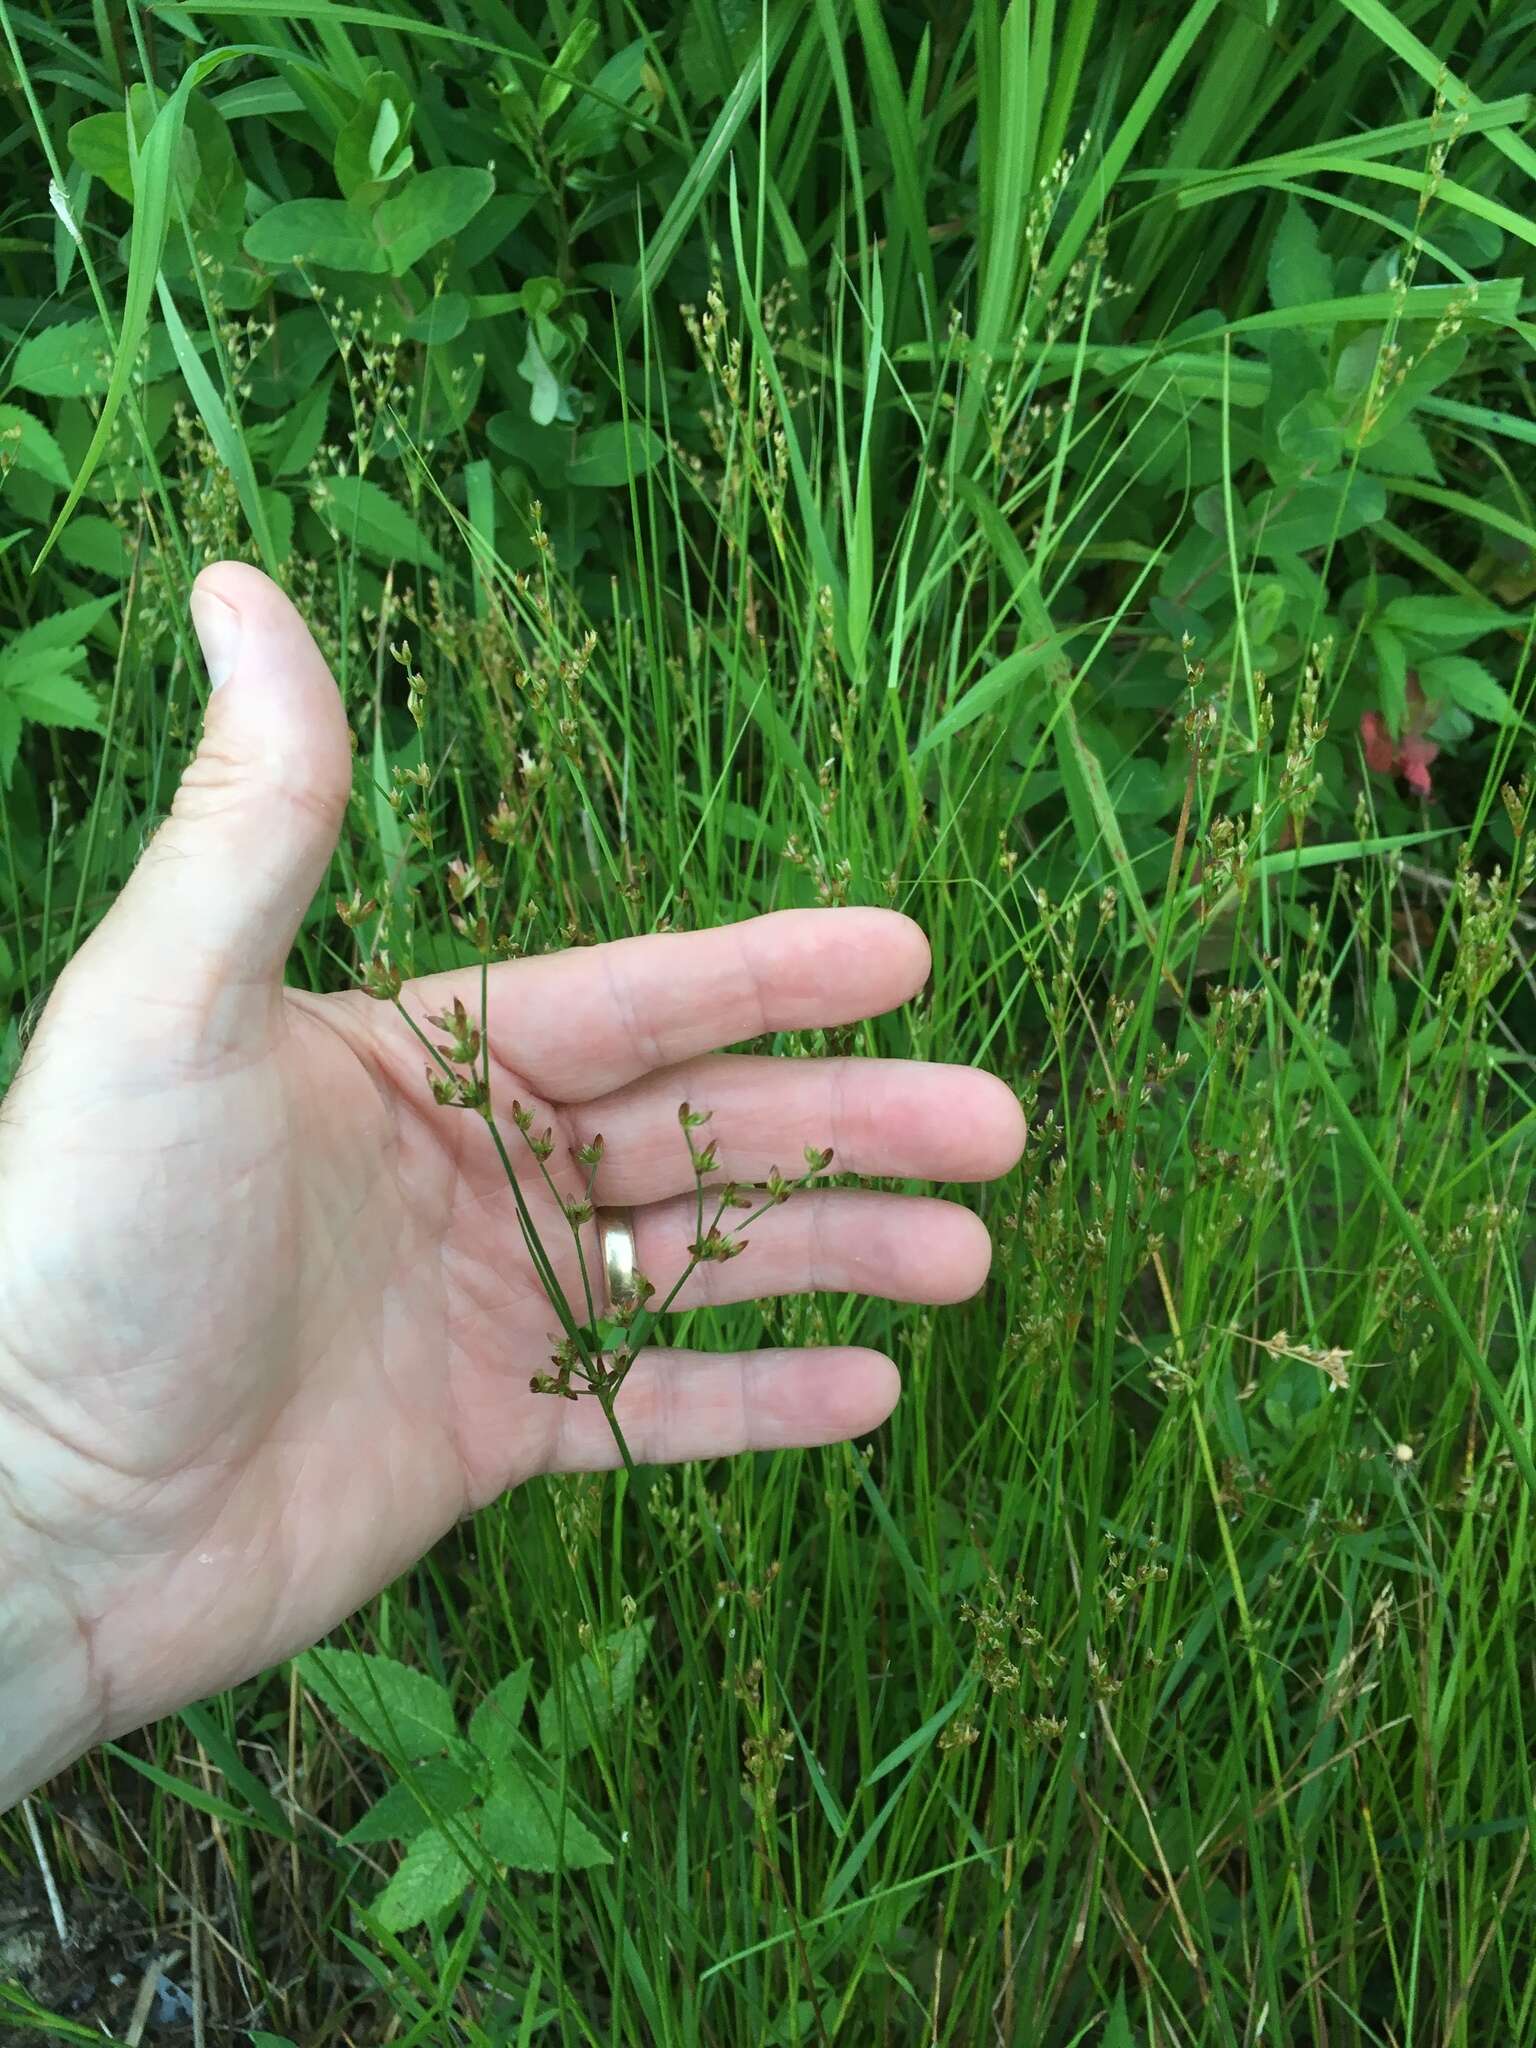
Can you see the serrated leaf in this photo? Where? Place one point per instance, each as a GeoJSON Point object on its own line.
{"type": "Point", "coordinates": [431, 1879]}
{"type": "Point", "coordinates": [1452, 621]}
{"type": "Point", "coordinates": [613, 454]}
{"type": "Point", "coordinates": [93, 542]}
{"type": "Point", "coordinates": [1392, 669]}
{"type": "Point", "coordinates": [1299, 273]}
{"type": "Point", "coordinates": [64, 629]}
{"type": "Point", "coordinates": [329, 232]}
{"type": "Point", "coordinates": [71, 361]}
{"type": "Point", "coordinates": [522, 1826]}
{"type": "Point", "coordinates": [496, 1722]}
{"type": "Point", "coordinates": [596, 1690]}
{"type": "Point", "coordinates": [435, 1791]}
{"type": "Point", "coordinates": [1467, 683]}
{"type": "Point", "coordinates": [427, 209]}
{"type": "Point", "coordinates": [361, 511]}
{"type": "Point", "coordinates": [395, 1710]}
{"type": "Point", "coordinates": [1402, 450]}
{"type": "Point", "coordinates": [25, 441]}
{"type": "Point", "coordinates": [57, 700]}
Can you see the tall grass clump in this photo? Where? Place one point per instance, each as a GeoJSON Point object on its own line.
{"type": "Point", "coordinates": [1062, 471]}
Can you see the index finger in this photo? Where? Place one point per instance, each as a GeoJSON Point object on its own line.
{"type": "Point", "coordinates": [579, 1023]}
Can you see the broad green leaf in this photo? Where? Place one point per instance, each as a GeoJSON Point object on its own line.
{"type": "Point", "coordinates": [58, 700]}
{"type": "Point", "coordinates": [373, 146]}
{"type": "Point", "coordinates": [63, 630]}
{"type": "Point", "coordinates": [435, 1791]}
{"type": "Point", "coordinates": [25, 441]}
{"type": "Point", "coordinates": [497, 1721]}
{"type": "Point", "coordinates": [441, 319]}
{"type": "Point", "coordinates": [431, 1880]}
{"type": "Point", "coordinates": [1392, 667]}
{"type": "Point", "coordinates": [1467, 683]}
{"type": "Point", "coordinates": [595, 1691]}
{"type": "Point", "coordinates": [100, 144]}
{"type": "Point", "coordinates": [427, 209]}
{"type": "Point", "coordinates": [1310, 434]}
{"type": "Point", "coordinates": [1402, 450]}
{"type": "Point", "coordinates": [1450, 620]}
{"type": "Point", "coordinates": [1296, 518]}
{"type": "Point", "coordinates": [615, 453]}
{"type": "Point", "coordinates": [330, 232]}
{"type": "Point", "coordinates": [91, 541]}
{"type": "Point", "coordinates": [395, 1710]}
{"type": "Point", "coordinates": [71, 361]}
{"type": "Point", "coordinates": [521, 1825]}
{"type": "Point", "coordinates": [546, 400]}
{"type": "Point", "coordinates": [361, 511]}
{"type": "Point", "coordinates": [21, 667]}
{"type": "Point", "coordinates": [1299, 273]}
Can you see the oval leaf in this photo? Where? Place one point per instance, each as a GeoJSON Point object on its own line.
{"type": "Point", "coordinates": [613, 454]}
{"type": "Point", "coordinates": [324, 231]}
{"type": "Point", "coordinates": [427, 210]}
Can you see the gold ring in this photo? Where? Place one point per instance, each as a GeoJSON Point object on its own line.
{"type": "Point", "coordinates": [621, 1265]}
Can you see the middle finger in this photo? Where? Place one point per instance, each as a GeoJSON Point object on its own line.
{"type": "Point", "coordinates": [892, 1119]}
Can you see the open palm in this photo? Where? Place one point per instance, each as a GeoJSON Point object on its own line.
{"type": "Point", "coordinates": [267, 1318]}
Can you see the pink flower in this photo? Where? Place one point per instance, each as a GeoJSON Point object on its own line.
{"type": "Point", "coordinates": [1411, 754]}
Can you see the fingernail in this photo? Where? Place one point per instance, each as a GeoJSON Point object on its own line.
{"type": "Point", "coordinates": [217, 626]}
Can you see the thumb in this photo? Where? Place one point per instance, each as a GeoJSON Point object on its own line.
{"type": "Point", "coordinates": [215, 902]}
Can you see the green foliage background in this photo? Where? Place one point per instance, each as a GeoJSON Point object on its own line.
{"type": "Point", "coordinates": [1065, 470]}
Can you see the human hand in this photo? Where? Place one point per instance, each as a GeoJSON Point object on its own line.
{"type": "Point", "coordinates": [267, 1319]}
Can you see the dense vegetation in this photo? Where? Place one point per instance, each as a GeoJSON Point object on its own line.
{"type": "Point", "coordinates": [1065, 471]}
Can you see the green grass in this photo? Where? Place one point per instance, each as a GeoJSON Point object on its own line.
{"type": "Point", "coordinates": [1037, 510]}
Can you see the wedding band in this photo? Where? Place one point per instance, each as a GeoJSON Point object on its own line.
{"type": "Point", "coordinates": [621, 1264]}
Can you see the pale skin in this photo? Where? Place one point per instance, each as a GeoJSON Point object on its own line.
{"type": "Point", "coordinates": [267, 1320]}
